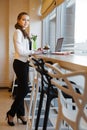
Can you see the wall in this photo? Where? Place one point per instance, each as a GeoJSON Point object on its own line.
{"type": "Point", "coordinates": [4, 44]}
{"type": "Point", "coordinates": [35, 22]}
{"type": "Point", "coordinates": [9, 10]}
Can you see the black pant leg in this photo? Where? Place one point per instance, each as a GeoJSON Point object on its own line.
{"type": "Point", "coordinates": [21, 70]}
{"type": "Point", "coordinates": [21, 109]}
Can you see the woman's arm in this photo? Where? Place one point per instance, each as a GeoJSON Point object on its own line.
{"type": "Point", "coordinates": [21, 45]}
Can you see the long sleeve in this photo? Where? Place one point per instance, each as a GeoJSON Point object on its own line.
{"type": "Point", "coordinates": [21, 46]}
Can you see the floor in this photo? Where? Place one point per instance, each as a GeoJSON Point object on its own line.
{"type": "Point", "coordinates": [5, 103]}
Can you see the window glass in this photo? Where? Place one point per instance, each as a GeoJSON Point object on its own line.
{"type": "Point", "coordinates": [60, 23]}
{"type": "Point", "coordinates": [49, 31]}
{"type": "Point", "coordinates": [81, 21]}
{"type": "Point", "coordinates": [80, 27]}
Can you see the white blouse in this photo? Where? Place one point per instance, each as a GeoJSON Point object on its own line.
{"type": "Point", "coordinates": [21, 46]}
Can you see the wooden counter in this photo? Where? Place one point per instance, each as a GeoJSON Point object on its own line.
{"type": "Point", "coordinates": [70, 62]}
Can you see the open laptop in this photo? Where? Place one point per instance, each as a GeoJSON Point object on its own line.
{"type": "Point", "coordinates": [58, 46]}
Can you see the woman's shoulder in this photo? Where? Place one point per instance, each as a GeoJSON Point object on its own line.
{"type": "Point", "coordinates": [18, 32]}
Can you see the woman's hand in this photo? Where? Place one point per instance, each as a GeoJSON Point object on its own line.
{"type": "Point", "coordinates": [40, 49]}
{"type": "Point", "coordinates": [38, 52]}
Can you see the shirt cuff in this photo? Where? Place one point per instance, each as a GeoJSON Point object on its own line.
{"type": "Point", "coordinates": [33, 51]}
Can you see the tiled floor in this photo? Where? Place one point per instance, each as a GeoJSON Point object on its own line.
{"type": "Point", "coordinates": [5, 103]}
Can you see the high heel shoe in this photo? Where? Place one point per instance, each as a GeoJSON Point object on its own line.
{"type": "Point", "coordinates": [24, 122]}
{"type": "Point", "coordinates": [11, 123]}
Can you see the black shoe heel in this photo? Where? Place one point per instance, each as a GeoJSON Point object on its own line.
{"type": "Point", "coordinates": [23, 121]}
{"type": "Point", "coordinates": [9, 122]}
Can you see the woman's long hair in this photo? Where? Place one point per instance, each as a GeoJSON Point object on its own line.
{"type": "Point", "coordinates": [25, 34]}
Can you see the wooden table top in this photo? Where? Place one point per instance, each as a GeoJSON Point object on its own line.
{"type": "Point", "coordinates": [70, 62]}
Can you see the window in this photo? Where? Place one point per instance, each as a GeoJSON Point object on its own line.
{"type": "Point", "coordinates": [49, 30]}
{"type": "Point", "coordinates": [59, 23]}
{"type": "Point", "coordinates": [81, 21]}
{"type": "Point", "coordinates": [80, 27]}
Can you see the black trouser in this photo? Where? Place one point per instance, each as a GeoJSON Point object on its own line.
{"type": "Point", "coordinates": [21, 69]}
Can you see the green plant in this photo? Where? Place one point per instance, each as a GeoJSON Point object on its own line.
{"type": "Point", "coordinates": [34, 37]}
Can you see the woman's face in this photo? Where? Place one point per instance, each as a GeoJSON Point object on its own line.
{"type": "Point", "coordinates": [24, 21]}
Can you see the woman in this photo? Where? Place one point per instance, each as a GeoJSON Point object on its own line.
{"type": "Point", "coordinates": [22, 47]}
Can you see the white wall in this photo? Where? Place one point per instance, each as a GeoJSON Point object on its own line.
{"type": "Point", "coordinates": [9, 10]}
{"type": "Point", "coordinates": [35, 21]}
